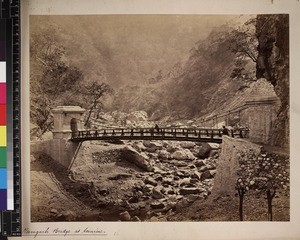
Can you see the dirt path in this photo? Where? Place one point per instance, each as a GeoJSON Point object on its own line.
{"type": "Point", "coordinates": [45, 187]}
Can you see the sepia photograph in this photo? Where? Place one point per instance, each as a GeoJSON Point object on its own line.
{"type": "Point", "coordinates": [159, 118]}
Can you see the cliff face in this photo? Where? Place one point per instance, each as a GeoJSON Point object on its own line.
{"type": "Point", "coordinates": [273, 64]}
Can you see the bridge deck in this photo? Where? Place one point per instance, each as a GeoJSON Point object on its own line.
{"type": "Point", "coordinates": [175, 134]}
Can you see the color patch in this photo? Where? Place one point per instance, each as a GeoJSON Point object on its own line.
{"type": "Point", "coordinates": [2, 136]}
{"type": "Point", "coordinates": [3, 178]}
{"type": "Point", "coordinates": [2, 157]}
{"type": "Point", "coordinates": [3, 199]}
{"type": "Point", "coordinates": [2, 72]}
{"type": "Point", "coordinates": [2, 115]}
{"type": "Point", "coordinates": [2, 93]}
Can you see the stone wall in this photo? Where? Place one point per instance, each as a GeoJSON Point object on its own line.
{"type": "Point", "coordinates": [60, 150]}
{"type": "Point", "coordinates": [228, 164]}
{"type": "Point", "coordinates": [259, 116]}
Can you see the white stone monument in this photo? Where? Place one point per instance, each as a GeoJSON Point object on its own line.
{"type": "Point", "coordinates": [62, 120]}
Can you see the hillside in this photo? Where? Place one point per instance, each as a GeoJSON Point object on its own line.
{"type": "Point", "coordinates": [194, 87]}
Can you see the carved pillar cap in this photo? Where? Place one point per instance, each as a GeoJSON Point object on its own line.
{"type": "Point", "coordinates": [68, 109]}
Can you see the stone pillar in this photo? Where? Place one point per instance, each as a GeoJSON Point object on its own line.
{"type": "Point", "coordinates": [228, 164]}
{"type": "Point", "coordinates": [62, 120]}
{"type": "Point", "coordinates": [260, 117]}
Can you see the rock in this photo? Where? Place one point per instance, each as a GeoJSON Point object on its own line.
{"type": "Point", "coordinates": [196, 175]}
{"type": "Point", "coordinates": [171, 148]}
{"type": "Point", "coordinates": [136, 219]}
{"type": "Point", "coordinates": [139, 146]}
{"type": "Point", "coordinates": [54, 211]}
{"type": "Point", "coordinates": [203, 150]}
{"type": "Point", "coordinates": [199, 163]}
{"type": "Point", "coordinates": [157, 177]}
{"type": "Point", "coordinates": [176, 178]}
{"type": "Point", "coordinates": [153, 145]}
{"type": "Point", "coordinates": [131, 155]}
{"type": "Point", "coordinates": [188, 145]}
{"type": "Point", "coordinates": [203, 169]}
{"type": "Point", "coordinates": [179, 155]}
{"type": "Point", "coordinates": [214, 153]}
{"type": "Point", "coordinates": [182, 174]}
{"type": "Point", "coordinates": [184, 182]}
{"type": "Point", "coordinates": [170, 191]}
{"type": "Point", "coordinates": [102, 203]}
{"type": "Point", "coordinates": [187, 191]}
{"type": "Point", "coordinates": [190, 122]}
{"type": "Point", "coordinates": [189, 154]}
{"type": "Point", "coordinates": [194, 180]}
{"type": "Point", "coordinates": [167, 181]}
{"type": "Point", "coordinates": [150, 181]}
{"type": "Point", "coordinates": [193, 197]}
{"type": "Point", "coordinates": [164, 154]}
{"type": "Point", "coordinates": [133, 199]}
{"type": "Point", "coordinates": [156, 194]}
{"type": "Point", "coordinates": [192, 166]}
{"type": "Point", "coordinates": [106, 117]}
{"type": "Point", "coordinates": [125, 216]}
{"type": "Point", "coordinates": [159, 171]}
{"type": "Point", "coordinates": [69, 215]}
{"type": "Point", "coordinates": [103, 191]}
{"type": "Point", "coordinates": [213, 172]}
{"type": "Point", "coordinates": [157, 205]}
{"type": "Point", "coordinates": [151, 150]}
{"type": "Point", "coordinates": [206, 175]}
{"type": "Point", "coordinates": [179, 163]}
{"type": "Point", "coordinates": [183, 203]}
{"type": "Point", "coordinates": [120, 176]}
{"type": "Point", "coordinates": [214, 146]}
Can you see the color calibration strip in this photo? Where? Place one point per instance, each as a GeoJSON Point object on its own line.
{"type": "Point", "coordinates": [10, 219]}
{"type": "Point", "coordinates": [3, 135]}
{"type": "Point", "coordinates": [6, 113]}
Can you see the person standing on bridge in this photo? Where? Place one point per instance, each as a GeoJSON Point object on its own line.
{"type": "Point", "coordinates": [156, 127]}
{"type": "Point", "coordinates": [225, 131]}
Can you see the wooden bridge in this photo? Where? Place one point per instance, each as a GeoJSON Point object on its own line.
{"type": "Point", "coordinates": [174, 134]}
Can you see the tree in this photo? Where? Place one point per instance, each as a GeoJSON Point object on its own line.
{"type": "Point", "coordinates": [51, 76]}
{"type": "Point", "coordinates": [93, 94]}
{"type": "Point", "coordinates": [263, 174]}
{"type": "Point", "coordinates": [243, 43]}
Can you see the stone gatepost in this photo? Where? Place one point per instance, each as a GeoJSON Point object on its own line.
{"type": "Point", "coordinates": [260, 115]}
{"type": "Point", "coordinates": [63, 115]}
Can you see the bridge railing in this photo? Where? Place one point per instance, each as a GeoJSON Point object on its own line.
{"type": "Point", "coordinates": [162, 132]}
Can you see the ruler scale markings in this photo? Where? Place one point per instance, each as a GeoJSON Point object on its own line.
{"type": "Point", "coordinates": [10, 220]}
{"type": "Point", "coordinates": [9, 112]}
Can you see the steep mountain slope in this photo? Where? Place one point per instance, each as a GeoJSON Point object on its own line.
{"type": "Point", "coordinates": [192, 88]}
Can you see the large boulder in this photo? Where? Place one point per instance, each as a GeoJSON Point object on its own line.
{"type": "Point", "coordinates": [153, 145]}
{"type": "Point", "coordinates": [183, 154]}
{"type": "Point", "coordinates": [188, 145]}
{"type": "Point", "coordinates": [202, 151]}
{"type": "Point", "coordinates": [141, 160]}
{"type": "Point", "coordinates": [163, 154]}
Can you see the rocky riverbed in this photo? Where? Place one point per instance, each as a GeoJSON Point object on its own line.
{"type": "Point", "coordinates": [145, 178]}
{"type": "Point", "coordinates": [136, 180]}
{"type": "Point", "coordinates": [141, 181]}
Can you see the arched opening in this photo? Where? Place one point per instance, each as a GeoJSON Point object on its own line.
{"type": "Point", "coordinates": [74, 127]}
